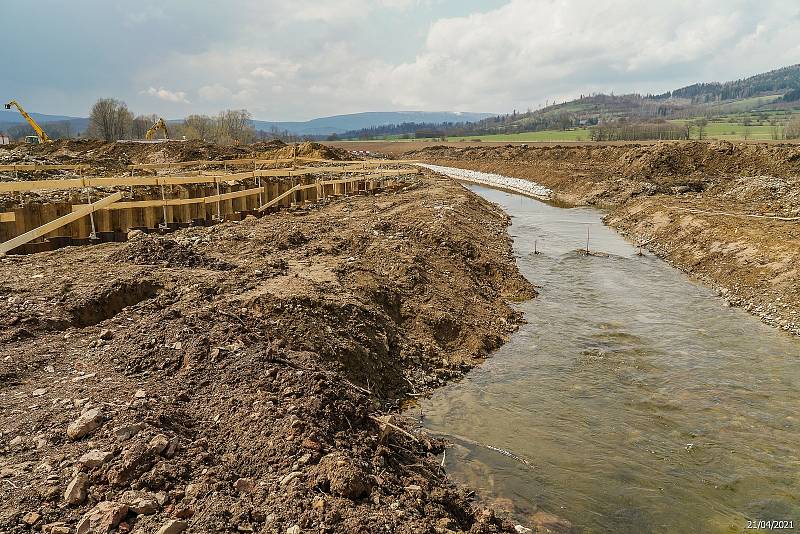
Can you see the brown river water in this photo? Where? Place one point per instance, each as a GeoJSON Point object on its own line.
{"type": "Point", "coordinates": [633, 400]}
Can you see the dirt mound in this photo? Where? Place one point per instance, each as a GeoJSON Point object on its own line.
{"type": "Point", "coordinates": [115, 157]}
{"type": "Point", "coordinates": [150, 250]}
{"type": "Point", "coordinates": [313, 150]}
{"type": "Point", "coordinates": [255, 399]}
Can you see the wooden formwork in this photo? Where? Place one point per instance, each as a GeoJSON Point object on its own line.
{"type": "Point", "coordinates": [170, 201]}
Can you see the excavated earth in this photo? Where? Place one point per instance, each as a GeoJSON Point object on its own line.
{"type": "Point", "coordinates": [727, 214]}
{"type": "Point", "coordinates": [247, 377]}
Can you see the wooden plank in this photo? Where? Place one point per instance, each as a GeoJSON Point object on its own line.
{"type": "Point", "coordinates": [8, 216]}
{"type": "Point", "coordinates": [36, 185]}
{"type": "Point", "coordinates": [120, 182]}
{"type": "Point", "coordinates": [11, 244]}
{"type": "Point", "coordinates": [277, 199]}
{"type": "Point", "coordinates": [232, 162]}
{"type": "Point", "coordinates": [36, 167]}
{"type": "Point", "coordinates": [233, 194]}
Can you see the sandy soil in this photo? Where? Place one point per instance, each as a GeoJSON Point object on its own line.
{"type": "Point", "coordinates": [240, 378]}
{"type": "Point", "coordinates": [710, 208]}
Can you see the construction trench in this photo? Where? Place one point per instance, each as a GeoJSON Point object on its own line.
{"type": "Point", "coordinates": [255, 375]}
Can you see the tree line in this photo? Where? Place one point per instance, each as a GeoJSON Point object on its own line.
{"type": "Point", "coordinates": [111, 120]}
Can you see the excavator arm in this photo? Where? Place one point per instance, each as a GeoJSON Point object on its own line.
{"type": "Point", "coordinates": [160, 124]}
{"type": "Point", "coordinates": [36, 128]}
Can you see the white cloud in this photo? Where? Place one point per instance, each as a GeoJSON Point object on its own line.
{"type": "Point", "coordinates": [514, 56]}
{"type": "Point", "coordinates": [167, 95]}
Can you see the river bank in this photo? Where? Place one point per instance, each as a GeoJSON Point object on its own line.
{"type": "Point", "coordinates": [241, 377]}
{"type": "Point", "coordinates": [727, 214]}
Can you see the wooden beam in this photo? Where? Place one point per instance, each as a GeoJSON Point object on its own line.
{"type": "Point", "coordinates": [35, 185]}
{"type": "Point", "coordinates": [35, 167]}
{"type": "Point", "coordinates": [233, 194]}
{"type": "Point", "coordinates": [44, 229]}
{"type": "Point", "coordinates": [278, 199]}
{"type": "Point", "coordinates": [8, 216]}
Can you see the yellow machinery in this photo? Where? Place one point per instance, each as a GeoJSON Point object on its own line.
{"type": "Point", "coordinates": [41, 137]}
{"type": "Point", "coordinates": [159, 125]}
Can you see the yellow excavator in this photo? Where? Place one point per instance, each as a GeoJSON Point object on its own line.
{"type": "Point", "coordinates": [40, 136]}
{"type": "Point", "coordinates": [160, 124]}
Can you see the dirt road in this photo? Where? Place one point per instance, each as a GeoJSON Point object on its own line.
{"type": "Point", "coordinates": [728, 214]}
{"type": "Point", "coordinates": [238, 377]}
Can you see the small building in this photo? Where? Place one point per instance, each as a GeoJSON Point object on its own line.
{"type": "Point", "coordinates": [4, 139]}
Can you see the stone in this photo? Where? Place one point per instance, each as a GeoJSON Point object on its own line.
{"type": "Point", "coordinates": [19, 443]}
{"type": "Point", "coordinates": [95, 458]}
{"type": "Point", "coordinates": [59, 527]}
{"type": "Point", "coordinates": [140, 502]}
{"type": "Point", "coordinates": [288, 478]}
{"type": "Point", "coordinates": [126, 432]}
{"type": "Point", "coordinates": [244, 485]}
{"type": "Point", "coordinates": [135, 234]}
{"type": "Point", "coordinates": [173, 526]}
{"type": "Point", "coordinates": [159, 443]}
{"type": "Point", "coordinates": [31, 518]}
{"type": "Point", "coordinates": [106, 334]}
{"type": "Point", "coordinates": [84, 425]}
{"type": "Point", "coordinates": [102, 519]}
{"type": "Point", "coordinates": [77, 489]}
{"type": "Point", "coordinates": [294, 529]}
{"type": "Point", "coordinates": [140, 394]}
{"type": "Point", "coordinates": [522, 530]}
{"type": "Point", "coordinates": [38, 392]}
{"type": "Point", "coordinates": [344, 476]}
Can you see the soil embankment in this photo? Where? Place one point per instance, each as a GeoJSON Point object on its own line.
{"type": "Point", "coordinates": [237, 378]}
{"type": "Point", "coordinates": [728, 214]}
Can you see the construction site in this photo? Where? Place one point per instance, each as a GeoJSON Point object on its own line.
{"type": "Point", "coordinates": [221, 324]}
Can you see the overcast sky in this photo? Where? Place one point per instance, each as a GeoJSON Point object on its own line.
{"type": "Point", "coordinates": [300, 59]}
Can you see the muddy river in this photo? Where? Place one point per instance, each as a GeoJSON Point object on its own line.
{"type": "Point", "coordinates": [634, 400]}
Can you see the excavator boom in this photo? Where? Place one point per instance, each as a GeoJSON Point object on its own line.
{"type": "Point", "coordinates": [160, 124]}
{"type": "Point", "coordinates": [36, 128]}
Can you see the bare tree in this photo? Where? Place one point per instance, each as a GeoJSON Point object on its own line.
{"type": "Point", "coordinates": [792, 128]}
{"type": "Point", "coordinates": [235, 125]}
{"type": "Point", "coordinates": [141, 124]}
{"type": "Point", "coordinates": [110, 120]}
{"type": "Point", "coordinates": [701, 124]}
{"type": "Point", "coordinates": [199, 127]}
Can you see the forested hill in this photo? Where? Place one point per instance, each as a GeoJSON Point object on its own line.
{"type": "Point", "coordinates": [781, 80]}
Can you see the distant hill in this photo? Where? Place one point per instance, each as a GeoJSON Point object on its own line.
{"type": "Point", "coordinates": [344, 123]}
{"type": "Point", "coordinates": [776, 89]}
{"type": "Point", "coordinates": [12, 121]}
{"type": "Point", "coordinates": [316, 127]}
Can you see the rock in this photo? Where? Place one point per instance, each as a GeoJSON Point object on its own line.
{"type": "Point", "coordinates": [343, 476]}
{"type": "Point", "coordinates": [522, 530]}
{"type": "Point", "coordinates": [77, 489]}
{"type": "Point", "coordinates": [50, 369]}
{"type": "Point", "coordinates": [244, 485]}
{"type": "Point", "coordinates": [159, 443]}
{"type": "Point", "coordinates": [102, 519]}
{"type": "Point", "coordinates": [294, 529]}
{"type": "Point", "coordinates": [106, 334]}
{"type": "Point", "coordinates": [95, 458]}
{"type": "Point", "coordinates": [288, 478]}
{"type": "Point", "coordinates": [140, 394]}
{"type": "Point", "coordinates": [545, 522]}
{"type": "Point", "coordinates": [173, 526]}
{"type": "Point", "coordinates": [38, 392]}
{"type": "Point", "coordinates": [19, 443]}
{"type": "Point", "coordinates": [87, 423]}
{"type": "Point", "coordinates": [126, 432]}
{"type": "Point", "coordinates": [58, 527]}
{"type": "Point", "coordinates": [31, 518]}
{"type": "Point", "coordinates": [135, 234]}
{"type": "Point", "coordinates": [140, 502]}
